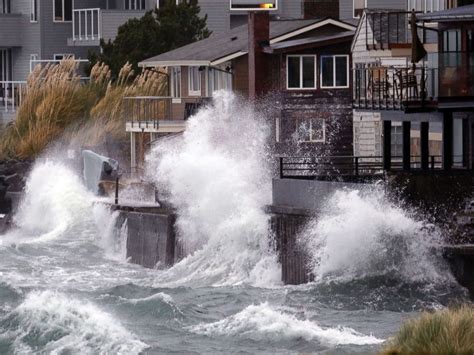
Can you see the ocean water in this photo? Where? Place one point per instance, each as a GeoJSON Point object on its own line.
{"type": "Point", "coordinates": [66, 286]}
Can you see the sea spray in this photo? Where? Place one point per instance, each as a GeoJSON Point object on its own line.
{"type": "Point", "coordinates": [362, 234]}
{"type": "Point", "coordinates": [217, 177]}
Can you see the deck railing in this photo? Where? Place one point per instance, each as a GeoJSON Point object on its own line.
{"type": "Point", "coordinates": [148, 111]}
{"type": "Point", "coordinates": [430, 5]}
{"type": "Point", "coordinates": [11, 95]}
{"type": "Point", "coordinates": [86, 24]}
{"type": "Point", "coordinates": [361, 167]}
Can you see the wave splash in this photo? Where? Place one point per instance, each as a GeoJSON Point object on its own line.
{"type": "Point", "coordinates": [217, 177]}
{"type": "Point", "coordinates": [361, 234]}
{"type": "Point", "coordinates": [259, 322]}
{"type": "Point", "coordinates": [53, 322]}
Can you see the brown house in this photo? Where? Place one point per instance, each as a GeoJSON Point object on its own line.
{"type": "Point", "coordinates": [302, 65]}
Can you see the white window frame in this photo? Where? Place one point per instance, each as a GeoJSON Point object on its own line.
{"type": "Point", "coordinates": [135, 5]}
{"type": "Point", "coordinates": [301, 56]}
{"type": "Point", "coordinates": [34, 57]}
{"type": "Point", "coordinates": [34, 11]}
{"type": "Point", "coordinates": [176, 97]}
{"type": "Point", "coordinates": [334, 56]}
{"type": "Point", "coordinates": [191, 83]}
{"type": "Point", "coordinates": [311, 140]}
{"type": "Point", "coordinates": [353, 8]}
{"type": "Point", "coordinates": [64, 12]}
{"type": "Point", "coordinates": [158, 3]}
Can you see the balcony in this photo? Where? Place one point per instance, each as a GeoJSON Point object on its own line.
{"type": "Point", "coordinates": [89, 26]}
{"type": "Point", "coordinates": [431, 5]}
{"type": "Point", "coordinates": [10, 30]}
{"type": "Point", "coordinates": [405, 88]}
{"type": "Point", "coordinates": [11, 94]}
{"type": "Point", "coordinates": [158, 114]}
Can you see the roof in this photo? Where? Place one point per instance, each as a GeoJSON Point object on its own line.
{"type": "Point", "coordinates": [311, 41]}
{"type": "Point", "coordinates": [231, 44]}
{"type": "Point", "coordinates": [462, 13]}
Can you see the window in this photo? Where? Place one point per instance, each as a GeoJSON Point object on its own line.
{"type": "Point", "coordinates": [33, 61]}
{"type": "Point", "coordinates": [194, 81]}
{"type": "Point", "coordinates": [175, 76]}
{"type": "Point", "coordinates": [135, 4]}
{"type": "Point", "coordinates": [62, 10]}
{"type": "Point", "coordinates": [219, 78]}
{"type": "Point", "coordinates": [397, 140]}
{"type": "Point", "coordinates": [335, 71]}
{"type": "Point", "coordinates": [359, 6]}
{"type": "Point", "coordinates": [33, 10]}
{"type": "Point", "coordinates": [5, 7]}
{"type": "Point", "coordinates": [312, 130]}
{"type": "Point", "coordinates": [161, 3]}
{"type": "Point", "coordinates": [301, 71]}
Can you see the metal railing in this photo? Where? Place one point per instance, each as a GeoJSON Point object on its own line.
{"type": "Point", "coordinates": [394, 88]}
{"type": "Point", "coordinates": [147, 111]}
{"type": "Point", "coordinates": [361, 167]}
{"type": "Point", "coordinates": [86, 24]}
{"type": "Point", "coordinates": [11, 94]}
{"type": "Point", "coordinates": [384, 29]}
{"type": "Point", "coordinates": [430, 5]}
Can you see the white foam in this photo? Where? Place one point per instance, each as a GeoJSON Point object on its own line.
{"type": "Point", "coordinates": [217, 177]}
{"type": "Point", "coordinates": [264, 322]}
{"type": "Point", "coordinates": [161, 296]}
{"type": "Point", "coordinates": [83, 327]}
{"type": "Point", "coordinates": [361, 233]}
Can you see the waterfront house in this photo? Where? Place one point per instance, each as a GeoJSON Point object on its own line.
{"type": "Point", "coordinates": [303, 64]}
{"type": "Point", "coordinates": [415, 115]}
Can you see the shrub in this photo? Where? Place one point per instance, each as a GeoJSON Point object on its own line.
{"type": "Point", "coordinates": [449, 331]}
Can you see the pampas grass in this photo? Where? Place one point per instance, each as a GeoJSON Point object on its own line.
{"type": "Point", "coordinates": [449, 331]}
{"type": "Point", "coordinates": [56, 103]}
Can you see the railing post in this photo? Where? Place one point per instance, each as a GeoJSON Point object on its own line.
{"type": "Point", "coordinates": [73, 28]}
{"type": "Point", "coordinates": [80, 26]}
{"type": "Point", "coordinates": [356, 166]}
{"type": "Point", "coordinates": [432, 162]}
{"type": "Point", "coordinates": [281, 167]}
{"type": "Point", "coordinates": [99, 24]}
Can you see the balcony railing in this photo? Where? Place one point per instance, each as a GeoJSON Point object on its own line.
{"type": "Point", "coordinates": [86, 24]}
{"type": "Point", "coordinates": [147, 111]}
{"type": "Point", "coordinates": [394, 88]}
{"type": "Point", "coordinates": [11, 95]}
{"type": "Point", "coordinates": [397, 88]}
{"type": "Point", "coordinates": [430, 5]}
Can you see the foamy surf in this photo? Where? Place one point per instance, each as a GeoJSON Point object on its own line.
{"type": "Point", "coordinates": [217, 177]}
{"type": "Point", "coordinates": [53, 322]}
{"type": "Point", "coordinates": [262, 321]}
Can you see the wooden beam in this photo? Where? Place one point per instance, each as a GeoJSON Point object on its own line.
{"type": "Point", "coordinates": [406, 145]}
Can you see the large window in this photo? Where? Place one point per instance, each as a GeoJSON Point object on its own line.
{"type": "Point", "coordinates": [175, 77]}
{"type": "Point", "coordinates": [62, 10]}
{"type": "Point", "coordinates": [219, 78]}
{"type": "Point", "coordinates": [335, 71]}
{"type": "Point", "coordinates": [359, 6]}
{"type": "Point", "coordinates": [312, 130]}
{"type": "Point", "coordinates": [194, 81]}
{"type": "Point", "coordinates": [135, 4]}
{"type": "Point", "coordinates": [33, 10]}
{"type": "Point", "coordinates": [301, 71]}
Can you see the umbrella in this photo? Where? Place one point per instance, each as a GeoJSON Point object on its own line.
{"type": "Point", "coordinates": [418, 51]}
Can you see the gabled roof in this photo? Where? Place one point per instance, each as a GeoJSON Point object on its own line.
{"type": "Point", "coordinates": [462, 13]}
{"type": "Point", "coordinates": [310, 42]}
{"type": "Point", "coordinates": [231, 44]}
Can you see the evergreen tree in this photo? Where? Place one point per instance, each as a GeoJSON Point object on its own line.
{"type": "Point", "coordinates": [158, 31]}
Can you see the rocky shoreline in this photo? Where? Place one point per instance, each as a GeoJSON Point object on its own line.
{"type": "Point", "coordinates": [12, 182]}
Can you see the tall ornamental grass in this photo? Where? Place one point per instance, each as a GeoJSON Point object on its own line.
{"type": "Point", "coordinates": [446, 332]}
{"type": "Point", "coordinates": [58, 104]}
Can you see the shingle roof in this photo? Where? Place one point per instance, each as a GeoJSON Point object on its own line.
{"type": "Point", "coordinates": [461, 13]}
{"type": "Point", "coordinates": [224, 44]}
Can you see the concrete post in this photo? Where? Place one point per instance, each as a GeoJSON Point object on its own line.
{"type": "Point", "coordinates": [406, 145]}
{"type": "Point", "coordinates": [387, 145]}
{"type": "Point", "coordinates": [425, 144]}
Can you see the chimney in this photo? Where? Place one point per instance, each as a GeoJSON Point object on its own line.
{"type": "Point", "coordinates": [259, 37]}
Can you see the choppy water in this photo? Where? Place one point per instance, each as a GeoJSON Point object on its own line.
{"type": "Point", "coordinates": [65, 286]}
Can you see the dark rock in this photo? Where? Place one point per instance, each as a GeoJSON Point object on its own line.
{"type": "Point", "coordinates": [5, 205]}
{"type": "Point", "coordinates": [14, 182]}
